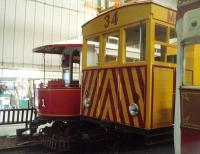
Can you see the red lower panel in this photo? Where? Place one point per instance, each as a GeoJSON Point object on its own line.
{"type": "Point", "coordinates": [59, 102]}
{"type": "Point", "coordinates": [190, 141]}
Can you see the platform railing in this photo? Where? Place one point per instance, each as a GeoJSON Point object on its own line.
{"type": "Point", "coordinates": [17, 116]}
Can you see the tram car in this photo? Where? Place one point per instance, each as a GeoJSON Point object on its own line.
{"type": "Point", "coordinates": [129, 82]}
{"type": "Point", "coordinates": [59, 100]}
{"type": "Point", "coordinates": [187, 117]}
{"type": "Point", "coordinates": [128, 77]}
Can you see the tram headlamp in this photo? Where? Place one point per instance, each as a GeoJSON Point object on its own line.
{"type": "Point", "coordinates": [133, 109]}
{"type": "Point", "coordinates": [87, 102]}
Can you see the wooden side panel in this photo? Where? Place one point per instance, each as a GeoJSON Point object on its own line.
{"type": "Point", "coordinates": [190, 115]}
{"type": "Point", "coordinates": [190, 121]}
{"type": "Point", "coordinates": [132, 90]}
{"type": "Point", "coordinates": [112, 90]}
{"type": "Point", "coordinates": [59, 102]}
{"type": "Point", "coordinates": [90, 84]}
{"type": "Point", "coordinates": [162, 97]}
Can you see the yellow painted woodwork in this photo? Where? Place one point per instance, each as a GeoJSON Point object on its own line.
{"type": "Point", "coordinates": [192, 65]}
{"type": "Point", "coordinates": [162, 97]}
{"type": "Point", "coordinates": [157, 107]}
{"type": "Point", "coordinates": [171, 50]}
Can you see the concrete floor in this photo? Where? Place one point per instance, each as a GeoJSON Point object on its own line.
{"type": "Point", "coordinates": [10, 130]}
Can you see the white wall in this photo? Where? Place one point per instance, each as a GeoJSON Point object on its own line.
{"type": "Point", "coordinates": [25, 24]}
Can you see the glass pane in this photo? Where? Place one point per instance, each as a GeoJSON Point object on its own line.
{"type": "Point", "coordinates": [172, 37]}
{"type": "Point", "coordinates": [165, 54]}
{"type": "Point", "coordinates": [191, 65]}
{"type": "Point", "coordinates": [93, 51]}
{"type": "Point", "coordinates": [160, 33]}
{"type": "Point", "coordinates": [75, 71]}
{"type": "Point", "coordinates": [171, 54]}
{"type": "Point", "coordinates": [160, 52]}
{"type": "Point", "coordinates": [66, 76]}
{"type": "Point", "coordinates": [171, 59]}
{"type": "Point", "coordinates": [111, 47]}
{"type": "Point", "coordinates": [135, 43]}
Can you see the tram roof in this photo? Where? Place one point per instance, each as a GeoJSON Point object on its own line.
{"type": "Point", "coordinates": [57, 48]}
{"type": "Point", "coordinates": [135, 2]}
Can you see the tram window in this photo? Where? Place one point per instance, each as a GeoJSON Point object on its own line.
{"type": "Point", "coordinates": [93, 51]}
{"type": "Point", "coordinates": [135, 43]}
{"type": "Point", "coordinates": [111, 47]}
{"type": "Point", "coordinates": [172, 37]}
{"type": "Point", "coordinates": [160, 52]}
{"type": "Point", "coordinates": [66, 76]}
{"type": "Point", "coordinates": [76, 71]}
{"type": "Point", "coordinates": [171, 59]}
{"type": "Point", "coordinates": [191, 65]}
{"type": "Point", "coordinates": [160, 33]}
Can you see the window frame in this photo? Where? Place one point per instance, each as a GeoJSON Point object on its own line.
{"type": "Point", "coordinates": [166, 44]}
{"type": "Point", "coordinates": [86, 51]}
{"type": "Point", "coordinates": [124, 43]}
{"type": "Point", "coordinates": [104, 35]}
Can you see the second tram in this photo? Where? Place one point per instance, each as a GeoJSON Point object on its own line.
{"type": "Point", "coordinates": [130, 79]}
{"type": "Point", "coordinates": [59, 100]}
{"type": "Point", "coordinates": [187, 119]}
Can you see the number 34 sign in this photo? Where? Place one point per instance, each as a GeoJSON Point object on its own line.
{"type": "Point", "coordinates": [110, 20]}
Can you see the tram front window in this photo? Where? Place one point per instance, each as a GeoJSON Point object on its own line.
{"type": "Point", "coordinates": [111, 47]}
{"type": "Point", "coordinates": [191, 65]}
{"type": "Point", "coordinates": [93, 51]}
{"type": "Point", "coordinates": [135, 43]}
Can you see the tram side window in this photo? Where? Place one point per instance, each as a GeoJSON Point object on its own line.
{"type": "Point", "coordinates": [172, 59]}
{"type": "Point", "coordinates": [160, 36]}
{"type": "Point", "coordinates": [164, 48]}
{"type": "Point", "coordinates": [75, 73]}
{"type": "Point", "coordinates": [172, 37]}
{"type": "Point", "coordinates": [160, 52]}
{"type": "Point", "coordinates": [93, 51]}
{"type": "Point", "coordinates": [111, 47]}
{"type": "Point", "coordinates": [191, 65]}
{"type": "Point", "coordinates": [160, 33]}
{"type": "Point", "coordinates": [135, 43]}
{"type": "Point", "coordinates": [171, 51]}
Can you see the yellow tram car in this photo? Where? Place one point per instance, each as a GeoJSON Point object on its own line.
{"type": "Point", "coordinates": [129, 56]}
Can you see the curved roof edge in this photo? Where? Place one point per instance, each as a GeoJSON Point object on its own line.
{"type": "Point", "coordinates": [134, 2]}
{"type": "Point", "coordinates": [57, 48]}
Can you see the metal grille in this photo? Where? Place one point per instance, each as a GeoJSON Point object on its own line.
{"type": "Point", "coordinates": [16, 116]}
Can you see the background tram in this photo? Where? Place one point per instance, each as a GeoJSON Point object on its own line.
{"type": "Point", "coordinates": [130, 80]}
{"type": "Point", "coordinates": [187, 117]}
{"type": "Point", "coordinates": [59, 100]}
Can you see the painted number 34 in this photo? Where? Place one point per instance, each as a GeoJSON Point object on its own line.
{"type": "Point", "coordinates": [111, 20]}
